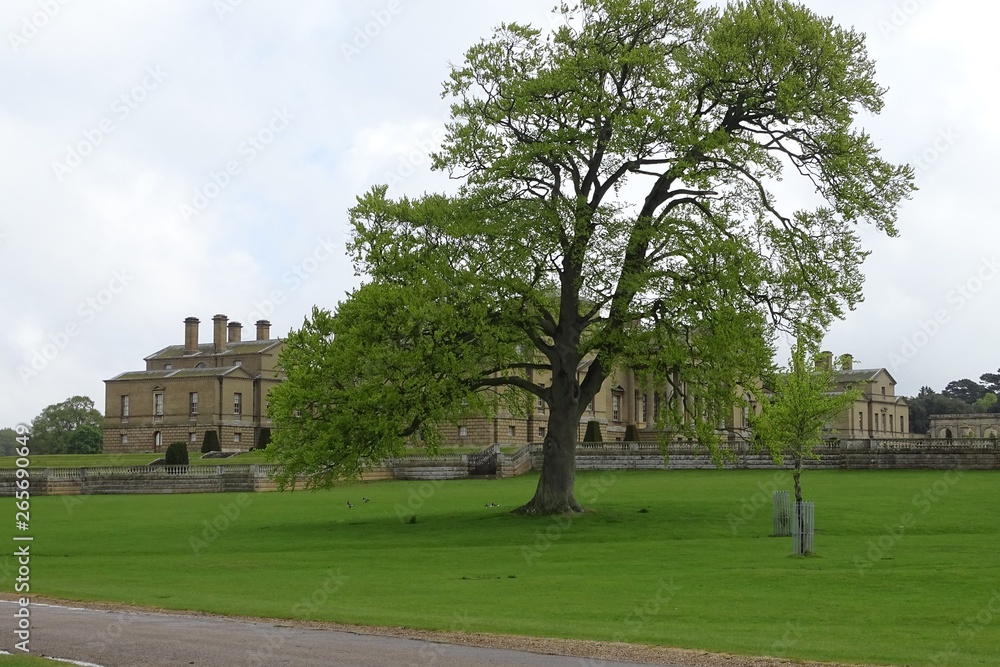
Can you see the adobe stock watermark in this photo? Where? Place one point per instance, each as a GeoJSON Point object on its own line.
{"type": "Point", "coordinates": [591, 491]}
{"type": "Point", "coordinates": [760, 498]}
{"type": "Point", "coordinates": [900, 15]}
{"type": "Point", "coordinates": [942, 143]}
{"type": "Point", "coordinates": [923, 501]}
{"type": "Point", "coordinates": [639, 616]}
{"type": "Point", "coordinates": [296, 275]}
{"type": "Point", "coordinates": [229, 513]}
{"type": "Point", "coordinates": [416, 498]}
{"type": "Point", "coordinates": [121, 109]}
{"type": "Point", "coordinates": [225, 7]}
{"type": "Point", "coordinates": [957, 298]}
{"type": "Point", "coordinates": [87, 310]}
{"type": "Point", "coordinates": [365, 34]}
{"type": "Point", "coordinates": [416, 156]}
{"type": "Point", "coordinates": [112, 632]}
{"type": "Point", "coordinates": [270, 644]}
{"type": "Point", "coordinates": [970, 627]}
{"type": "Point", "coordinates": [431, 653]}
{"type": "Point", "coordinates": [35, 22]}
{"type": "Point", "coordinates": [246, 152]}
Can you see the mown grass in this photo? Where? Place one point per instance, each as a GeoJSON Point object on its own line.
{"type": "Point", "coordinates": [28, 661]}
{"type": "Point", "coordinates": [662, 558]}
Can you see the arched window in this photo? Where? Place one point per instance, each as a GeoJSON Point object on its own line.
{"type": "Point", "coordinates": [157, 441]}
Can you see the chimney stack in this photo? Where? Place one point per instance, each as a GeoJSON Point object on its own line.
{"type": "Point", "coordinates": [263, 330]}
{"type": "Point", "coordinates": [219, 338]}
{"type": "Point", "coordinates": [847, 362]}
{"type": "Point", "coordinates": [824, 361]}
{"type": "Point", "coordinates": [235, 332]}
{"type": "Point", "coordinates": [191, 335]}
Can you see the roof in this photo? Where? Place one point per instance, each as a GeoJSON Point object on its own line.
{"type": "Point", "coordinates": [861, 375]}
{"type": "Point", "coordinates": [182, 373]}
{"type": "Point", "coordinates": [208, 349]}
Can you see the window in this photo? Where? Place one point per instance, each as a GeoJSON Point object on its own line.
{"type": "Point", "coordinates": [158, 404]}
{"type": "Point", "coordinates": [237, 404]}
{"type": "Point", "coordinates": [157, 441]}
{"type": "Point", "coordinates": [645, 408]}
{"type": "Point", "coordinates": [463, 431]}
{"type": "Point", "coordinates": [193, 437]}
{"type": "Point", "coordinates": [168, 367]}
{"type": "Point", "coordinates": [125, 408]}
{"type": "Point", "coordinates": [656, 407]}
{"type": "Point", "coordinates": [861, 421]}
{"type": "Point", "coordinates": [902, 429]}
{"type": "Point", "coordinates": [124, 438]}
{"type": "Point", "coordinates": [541, 431]}
{"type": "Point", "coordinates": [593, 407]}
{"type": "Point", "coordinates": [616, 407]}
{"type": "Point", "coordinates": [202, 365]}
{"type": "Point", "coordinates": [237, 362]}
{"type": "Point", "coordinates": [193, 403]}
{"type": "Point", "coordinates": [236, 437]}
{"type": "Point", "coordinates": [511, 431]}
{"type": "Point", "coordinates": [883, 421]}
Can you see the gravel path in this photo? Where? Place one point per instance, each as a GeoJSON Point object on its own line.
{"type": "Point", "coordinates": [431, 644]}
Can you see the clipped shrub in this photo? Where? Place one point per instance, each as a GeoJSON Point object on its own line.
{"type": "Point", "coordinates": [177, 454]}
{"type": "Point", "coordinates": [593, 433]}
{"type": "Point", "coordinates": [210, 443]}
{"type": "Point", "coordinates": [263, 439]}
{"type": "Point", "coordinates": [631, 433]}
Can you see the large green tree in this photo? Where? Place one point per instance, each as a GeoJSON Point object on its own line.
{"type": "Point", "coordinates": [616, 207]}
{"type": "Point", "coordinates": [53, 429]}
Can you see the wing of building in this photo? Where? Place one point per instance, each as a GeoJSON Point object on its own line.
{"type": "Point", "coordinates": [878, 413]}
{"type": "Point", "coordinates": [186, 390]}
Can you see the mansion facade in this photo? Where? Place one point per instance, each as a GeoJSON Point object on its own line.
{"type": "Point", "coordinates": [624, 401]}
{"type": "Point", "coordinates": [187, 390]}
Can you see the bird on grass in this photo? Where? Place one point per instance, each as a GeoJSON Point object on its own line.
{"type": "Point", "coordinates": [349, 504]}
{"type": "Point", "coordinates": [364, 500]}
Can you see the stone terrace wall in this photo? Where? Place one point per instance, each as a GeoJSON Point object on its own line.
{"type": "Point", "coordinates": [902, 454]}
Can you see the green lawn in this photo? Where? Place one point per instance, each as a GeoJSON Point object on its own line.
{"type": "Point", "coordinates": [661, 559]}
{"type": "Point", "coordinates": [27, 661]}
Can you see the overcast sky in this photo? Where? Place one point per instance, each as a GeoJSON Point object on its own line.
{"type": "Point", "coordinates": [170, 159]}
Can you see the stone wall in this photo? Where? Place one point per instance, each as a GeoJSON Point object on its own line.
{"type": "Point", "coordinates": [835, 455]}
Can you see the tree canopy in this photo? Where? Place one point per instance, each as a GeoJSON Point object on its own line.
{"type": "Point", "coordinates": [52, 431]}
{"type": "Point", "coordinates": [616, 206]}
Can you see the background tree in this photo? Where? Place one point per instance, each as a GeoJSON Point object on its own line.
{"type": "Point", "coordinates": [263, 439]}
{"type": "Point", "coordinates": [52, 429]}
{"type": "Point", "coordinates": [615, 206]}
{"type": "Point", "coordinates": [86, 439]}
{"type": "Point", "coordinates": [8, 441]}
{"type": "Point", "coordinates": [792, 421]}
{"type": "Point", "coordinates": [793, 418]}
{"type": "Point", "coordinates": [927, 402]}
{"type": "Point", "coordinates": [210, 443]}
{"type": "Point", "coordinates": [177, 454]}
{"type": "Point", "coordinates": [966, 390]}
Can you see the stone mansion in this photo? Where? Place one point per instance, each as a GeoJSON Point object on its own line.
{"type": "Point", "coordinates": [186, 390]}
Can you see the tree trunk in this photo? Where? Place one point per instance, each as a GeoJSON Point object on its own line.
{"type": "Point", "coordinates": [554, 494]}
{"type": "Point", "coordinates": [800, 520]}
